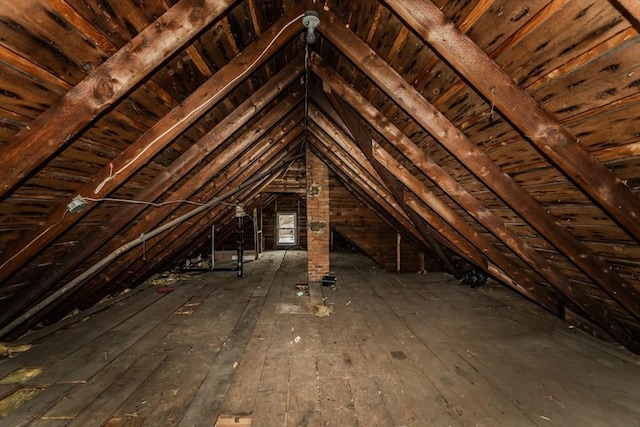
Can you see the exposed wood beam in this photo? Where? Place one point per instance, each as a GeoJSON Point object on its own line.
{"type": "Point", "coordinates": [633, 7]}
{"type": "Point", "coordinates": [478, 162]}
{"type": "Point", "coordinates": [428, 21]}
{"type": "Point", "coordinates": [151, 142]}
{"type": "Point", "coordinates": [106, 85]}
{"type": "Point", "coordinates": [363, 139]}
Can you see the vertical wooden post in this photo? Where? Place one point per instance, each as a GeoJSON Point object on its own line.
{"type": "Point", "coordinates": [256, 245]}
{"type": "Point", "coordinates": [398, 241]}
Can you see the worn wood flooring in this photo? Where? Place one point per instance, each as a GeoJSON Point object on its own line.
{"type": "Point", "coordinates": [398, 350]}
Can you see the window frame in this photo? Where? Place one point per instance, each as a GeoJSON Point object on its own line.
{"type": "Point", "coordinates": [294, 228]}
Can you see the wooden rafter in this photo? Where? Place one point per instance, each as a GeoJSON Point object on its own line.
{"type": "Point", "coordinates": [106, 85]}
{"type": "Point", "coordinates": [479, 163]}
{"type": "Point", "coordinates": [427, 20]}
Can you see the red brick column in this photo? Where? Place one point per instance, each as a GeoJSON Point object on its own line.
{"type": "Point", "coordinates": [317, 218]}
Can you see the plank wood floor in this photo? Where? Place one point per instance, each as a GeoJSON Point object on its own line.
{"type": "Point", "coordinates": [398, 350]}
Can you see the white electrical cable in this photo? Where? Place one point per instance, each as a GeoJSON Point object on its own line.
{"type": "Point", "coordinates": [33, 241]}
{"type": "Point", "coordinates": [206, 104]}
{"type": "Point", "coordinates": [143, 202]}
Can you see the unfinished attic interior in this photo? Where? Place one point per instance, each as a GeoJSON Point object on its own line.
{"type": "Point", "coordinates": [366, 212]}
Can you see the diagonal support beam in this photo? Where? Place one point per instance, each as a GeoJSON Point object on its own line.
{"type": "Point", "coordinates": [479, 163]}
{"type": "Point", "coordinates": [557, 143]}
{"type": "Point", "coordinates": [631, 6]}
{"type": "Point", "coordinates": [105, 86]}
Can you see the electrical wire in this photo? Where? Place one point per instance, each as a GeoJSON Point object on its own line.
{"type": "Point", "coordinates": [306, 90]}
{"type": "Point", "coordinates": [34, 240]}
{"type": "Point", "coordinates": [196, 110]}
{"type": "Point", "coordinates": [143, 202]}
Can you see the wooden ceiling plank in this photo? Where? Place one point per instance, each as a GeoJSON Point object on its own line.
{"type": "Point", "coordinates": [107, 84]}
{"type": "Point", "coordinates": [163, 181]}
{"type": "Point", "coordinates": [479, 163]}
{"type": "Point", "coordinates": [516, 104]}
{"type": "Point", "coordinates": [150, 143]}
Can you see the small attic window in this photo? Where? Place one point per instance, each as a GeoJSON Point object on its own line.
{"type": "Point", "coordinates": [287, 228]}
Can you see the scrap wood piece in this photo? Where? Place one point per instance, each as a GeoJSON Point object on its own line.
{"type": "Point", "coordinates": [233, 420]}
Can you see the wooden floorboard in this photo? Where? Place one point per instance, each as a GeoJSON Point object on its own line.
{"type": "Point", "coordinates": [397, 350]}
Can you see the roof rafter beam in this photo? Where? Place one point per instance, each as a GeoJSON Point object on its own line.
{"type": "Point", "coordinates": [477, 162]}
{"type": "Point", "coordinates": [106, 85]}
{"type": "Point", "coordinates": [428, 21]}
{"type": "Point", "coordinates": [631, 6]}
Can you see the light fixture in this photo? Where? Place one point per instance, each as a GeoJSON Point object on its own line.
{"type": "Point", "coordinates": [310, 20]}
{"type": "Point", "coordinates": [78, 204]}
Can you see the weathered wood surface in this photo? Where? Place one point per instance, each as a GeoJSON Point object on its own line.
{"type": "Point", "coordinates": [521, 109]}
{"type": "Point", "coordinates": [154, 140]}
{"type": "Point", "coordinates": [104, 86]}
